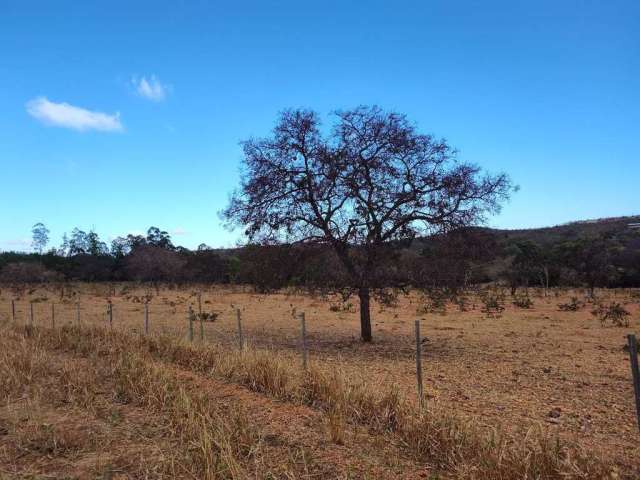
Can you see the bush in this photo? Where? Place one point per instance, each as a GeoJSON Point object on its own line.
{"type": "Point", "coordinates": [27, 272]}
{"type": "Point", "coordinates": [342, 307]}
{"type": "Point", "coordinates": [613, 312]}
{"type": "Point", "coordinates": [522, 301]}
{"type": "Point", "coordinates": [492, 303]}
{"type": "Point", "coordinates": [573, 306]}
{"type": "Point", "coordinates": [207, 316]}
{"type": "Point", "coordinates": [461, 300]}
{"type": "Point", "coordinates": [433, 301]}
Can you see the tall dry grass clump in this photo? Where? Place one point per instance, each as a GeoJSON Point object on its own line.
{"type": "Point", "coordinates": [22, 363]}
{"type": "Point", "coordinates": [465, 449]}
{"type": "Point", "coordinates": [220, 441]}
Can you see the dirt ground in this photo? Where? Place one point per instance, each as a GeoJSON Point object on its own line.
{"type": "Point", "coordinates": [529, 367]}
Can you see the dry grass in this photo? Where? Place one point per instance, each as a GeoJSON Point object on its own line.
{"type": "Point", "coordinates": [207, 441]}
{"type": "Point", "coordinates": [222, 444]}
{"type": "Point", "coordinates": [219, 443]}
{"type": "Point", "coordinates": [20, 364]}
{"type": "Point", "coordinates": [502, 376]}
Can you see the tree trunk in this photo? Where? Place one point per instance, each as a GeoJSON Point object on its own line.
{"type": "Point", "coordinates": [546, 279]}
{"type": "Point", "coordinates": [365, 314]}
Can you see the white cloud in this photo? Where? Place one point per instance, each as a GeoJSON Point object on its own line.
{"type": "Point", "coordinates": [14, 243]}
{"type": "Point", "coordinates": [150, 88]}
{"type": "Point", "coordinates": [178, 232]}
{"type": "Point", "coordinates": [70, 116]}
{"type": "Point", "coordinates": [18, 242]}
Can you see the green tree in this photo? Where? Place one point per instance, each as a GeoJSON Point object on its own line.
{"type": "Point", "coordinates": [590, 258]}
{"type": "Point", "coordinates": [120, 247]}
{"type": "Point", "coordinates": [95, 246]}
{"type": "Point", "coordinates": [40, 237]}
{"type": "Point", "coordinates": [78, 243]}
{"type": "Point", "coordinates": [526, 263]}
{"type": "Point", "coordinates": [63, 250]}
{"type": "Point", "coordinates": [159, 238]}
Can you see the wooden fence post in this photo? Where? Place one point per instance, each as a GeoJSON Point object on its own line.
{"type": "Point", "coordinates": [78, 313]}
{"type": "Point", "coordinates": [13, 311]}
{"type": "Point", "coordinates": [240, 338]}
{"type": "Point", "coordinates": [110, 312]}
{"type": "Point", "coordinates": [190, 324]}
{"type": "Point", "coordinates": [146, 317]}
{"type": "Point", "coordinates": [419, 365]}
{"type": "Point", "coordinates": [53, 316]}
{"type": "Point", "coordinates": [304, 340]}
{"type": "Point", "coordinates": [635, 372]}
{"type": "Point", "coordinates": [31, 313]}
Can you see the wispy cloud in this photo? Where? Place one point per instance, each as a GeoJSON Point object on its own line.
{"type": "Point", "coordinates": [178, 232]}
{"type": "Point", "coordinates": [70, 116]}
{"type": "Point", "coordinates": [16, 243]}
{"type": "Point", "coordinates": [150, 88]}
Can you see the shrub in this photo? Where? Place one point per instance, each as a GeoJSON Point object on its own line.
{"type": "Point", "coordinates": [492, 303]}
{"type": "Point", "coordinates": [572, 306]}
{"type": "Point", "coordinates": [433, 301]}
{"type": "Point", "coordinates": [522, 301]}
{"type": "Point", "coordinates": [461, 301]}
{"type": "Point", "coordinates": [207, 316]}
{"type": "Point", "coordinates": [342, 307]}
{"type": "Point", "coordinates": [613, 312]}
{"type": "Point", "coordinates": [27, 272]}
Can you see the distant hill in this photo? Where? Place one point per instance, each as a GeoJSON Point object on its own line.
{"type": "Point", "coordinates": [617, 227]}
{"type": "Point", "coordinates": [614, 226]}
{"type": "Point", "coordinates": [623, 241]}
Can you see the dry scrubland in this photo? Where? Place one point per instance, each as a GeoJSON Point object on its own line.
{"type": "Point", "coordinates": [535, 393]}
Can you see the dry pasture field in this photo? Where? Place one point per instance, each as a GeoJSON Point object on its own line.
{"type": "Point", "coordinates": [542, 369]}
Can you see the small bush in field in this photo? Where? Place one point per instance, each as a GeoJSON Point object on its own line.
{"type": "Point", "coordinates": [433, 301]}
{"type": "Point", "coordinates": [572, 306]}
{"type": "Point", "coordinates": [522, 301]}
{"type": "Point", "coordinates": [387, 298]}
{"type": "Point", "coordinates": [492, 304]}
{"type": "Point", "coordinates": [342, 307]}
{"type": "Point", "coordinates": [207, 316]}
{"type": "Point", "coordinates": [613, 312]}
{"type": "Point", "coordinates": [461, 301]}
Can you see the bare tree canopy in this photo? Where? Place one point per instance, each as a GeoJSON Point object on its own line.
{"type": "Point", "coordinates": [372, 183]}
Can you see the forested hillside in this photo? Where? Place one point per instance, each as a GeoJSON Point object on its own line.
{"type": "Point", "coordinates": [594, 253]}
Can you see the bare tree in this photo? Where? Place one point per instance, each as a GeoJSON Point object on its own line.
{"type": "Point", "coordinates": [154, 264]}
{"type": "Point", "coordinates": [370, 186]}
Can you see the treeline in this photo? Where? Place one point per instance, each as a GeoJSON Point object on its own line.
{"type": "Point", "coordinates": [83, 256]}
{"type": "Point", "coordinates": [455, 260]}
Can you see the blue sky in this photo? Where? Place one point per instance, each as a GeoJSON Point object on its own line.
{"type": "Point", "coordinates": [121, 115]}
